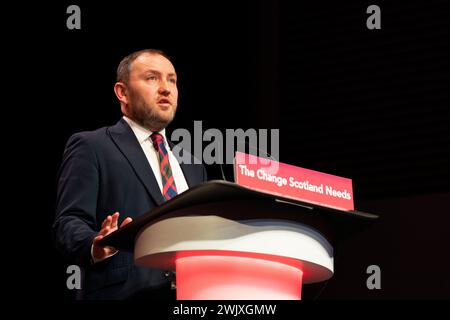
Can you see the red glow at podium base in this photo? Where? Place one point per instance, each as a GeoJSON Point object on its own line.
{"type": "Point", "coordinates": [235, 276]}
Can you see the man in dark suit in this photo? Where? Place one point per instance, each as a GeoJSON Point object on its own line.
{"type": "Point", "coordinates": [123, 170]}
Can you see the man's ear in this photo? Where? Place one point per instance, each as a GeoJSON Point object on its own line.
{"type": "Point", "coordinates": [120, 89]}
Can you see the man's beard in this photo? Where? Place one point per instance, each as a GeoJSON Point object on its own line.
{"type": "Point", "coordinates": [147, 116]}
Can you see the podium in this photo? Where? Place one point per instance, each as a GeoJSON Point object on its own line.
{"type": "Point", "coordinates": [225, 241]}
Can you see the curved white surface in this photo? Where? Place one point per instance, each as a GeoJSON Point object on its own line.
{"type": "Point", "coordinates": [160, 243]}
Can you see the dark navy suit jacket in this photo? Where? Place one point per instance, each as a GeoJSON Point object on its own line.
{"type": "Point", "coordinates": [105, 171]}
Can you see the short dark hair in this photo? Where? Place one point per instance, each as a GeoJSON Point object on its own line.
{"type": "Point", "coordinates": [123, 70]}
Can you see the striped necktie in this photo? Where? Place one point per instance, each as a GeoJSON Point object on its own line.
{"type": "Point", "coordinates": [168, 182]}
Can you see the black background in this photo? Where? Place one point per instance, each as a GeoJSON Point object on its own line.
{"type": "Point", "coordinates": [371, 105]}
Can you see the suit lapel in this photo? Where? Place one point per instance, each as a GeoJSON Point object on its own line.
{"type": "Point", "coordinates": [126, 141]}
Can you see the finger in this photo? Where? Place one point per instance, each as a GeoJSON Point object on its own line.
{"type": "Point", "coordinates": [105, 231]}
{"type": "Point", "coordinates": [126, 221]}
{"type": "Point", "coordinates": [106, 222]}
{"type": "Point", "coordinates": [114, 219]}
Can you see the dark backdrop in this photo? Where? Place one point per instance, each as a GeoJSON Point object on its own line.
{"type": "Point", "coordinates": [371, 105]}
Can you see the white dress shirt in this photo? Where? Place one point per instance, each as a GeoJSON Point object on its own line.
{"type": "Point", "coordinates": [143, 137]}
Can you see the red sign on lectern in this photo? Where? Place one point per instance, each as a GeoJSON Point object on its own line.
{"type": "Point", "coordinates": [293, 182]}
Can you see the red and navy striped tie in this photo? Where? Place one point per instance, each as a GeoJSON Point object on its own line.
{"type": "Point", "coordinates": [168, 182]}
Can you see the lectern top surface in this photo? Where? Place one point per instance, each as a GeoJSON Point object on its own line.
{"type": "Point", "coordinates": [236, 202]}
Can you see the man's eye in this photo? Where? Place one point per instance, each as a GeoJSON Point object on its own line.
{"type": "Point", "coordinates": [151, 77]}
{"type": "Point", "coordinates": [173, 81]}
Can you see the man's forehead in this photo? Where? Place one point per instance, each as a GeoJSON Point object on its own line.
{"type": "Point", "coordinates": [154, 62]}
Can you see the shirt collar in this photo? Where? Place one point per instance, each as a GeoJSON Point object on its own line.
{"type": "Point", "coordinates": [141, 133]}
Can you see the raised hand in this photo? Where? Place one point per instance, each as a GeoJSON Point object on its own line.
{"type": "Point", "coordinates": [109, 225]}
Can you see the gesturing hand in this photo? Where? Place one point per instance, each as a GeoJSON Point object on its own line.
{"type": "Point", "coordinates": [109, 225]}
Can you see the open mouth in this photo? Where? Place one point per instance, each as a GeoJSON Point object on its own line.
{"type": "Point", "coordinates": [164, 101]}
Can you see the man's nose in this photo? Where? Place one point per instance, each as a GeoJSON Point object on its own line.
{"type": "Point", "coordinates": [164, 88]}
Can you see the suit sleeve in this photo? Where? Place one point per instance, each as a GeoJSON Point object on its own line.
{"type": "Point", "coordinates": [78, 185]}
